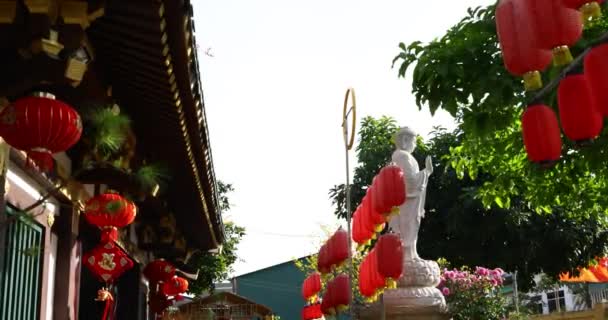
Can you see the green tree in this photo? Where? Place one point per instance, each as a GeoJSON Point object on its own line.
{"type": "Point", "coordinates": [214, 268]}
{"type": "Point", "coordinates": [461, 229]}
{"type": "Point", "coordinates": [462, 73]}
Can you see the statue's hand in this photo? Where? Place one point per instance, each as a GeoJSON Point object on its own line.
{"type": "Point", "coordinates": [429, 164]}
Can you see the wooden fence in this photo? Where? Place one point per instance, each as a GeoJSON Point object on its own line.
{"type": "Point", "coordinates": [599, 312]}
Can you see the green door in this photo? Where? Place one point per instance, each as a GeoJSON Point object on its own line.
{"type": "Point", "coordinates": [20, 269]}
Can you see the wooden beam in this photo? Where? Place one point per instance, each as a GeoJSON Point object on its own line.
{"type": "Point", "coordinates": [8, 11]}
{"type": "Point", "coordinates": [75, 12]}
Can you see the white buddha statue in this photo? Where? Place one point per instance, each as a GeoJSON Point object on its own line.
{"type": "Point", "coordinates": [412, 211]}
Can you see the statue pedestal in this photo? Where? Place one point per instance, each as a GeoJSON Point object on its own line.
{"type": "Point", "coordinates": [417, 296]}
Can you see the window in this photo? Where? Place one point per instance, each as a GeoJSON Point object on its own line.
{"type": "Point", "coordinates": [552, 300]}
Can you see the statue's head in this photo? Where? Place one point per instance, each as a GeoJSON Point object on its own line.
{"type": "Point", "coordinates": [405, 139]}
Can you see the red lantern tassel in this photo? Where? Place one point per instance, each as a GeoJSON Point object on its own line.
{"type": "Point", "coordinates": [104, 295]}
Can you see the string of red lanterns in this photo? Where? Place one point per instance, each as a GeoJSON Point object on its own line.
{"type": "Point", "coordinates": [527, 29]}
{"type": "Point", "coordinates": [165, 286]}
{"type": "Point", "coordinates": [108, 261]}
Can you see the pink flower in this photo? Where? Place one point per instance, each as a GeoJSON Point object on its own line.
{"type": "Point", "coordinates": [445, 291]}
{"type": "Point", "coordinates": [482, 271]}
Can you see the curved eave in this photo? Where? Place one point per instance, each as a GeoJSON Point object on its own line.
{"type": "Point", "coordinates": [144, 52]}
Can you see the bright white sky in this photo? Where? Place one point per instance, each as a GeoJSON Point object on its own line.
{"type": "Point", "coordinates": [274, 91]}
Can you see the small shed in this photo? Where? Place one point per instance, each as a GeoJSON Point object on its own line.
{"type": "Point", "coordinates": [224, 306]}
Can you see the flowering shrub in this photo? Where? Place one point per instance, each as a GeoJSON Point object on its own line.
{"type": "Point", "coordinates": [474, 295]}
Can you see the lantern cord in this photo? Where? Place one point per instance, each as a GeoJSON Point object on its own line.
{"type": "Point", "coordinates": [541, 94]}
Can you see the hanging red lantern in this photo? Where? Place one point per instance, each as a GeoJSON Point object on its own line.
{"type": "Point", "coordinates": [388, 191]}
{"type": "Point", "coordinates": [159, 271]}
{"type": "Point", "coordinates": [596, 71]}
{"type": "Point", "coordinates": [556, 27]}
{"type": "Point", "coordinates": [377, 280]}
{"type": "Point", "coordinates": [590, 9]}
{"type": "Point", "coordinates": [40, 126]}
{"type": "Point", "coordinates": [306, 313]}
{"type": "Point", "coordinates": [311, 287]}
{"type": "Point", "coordinates": [519, 46]}
{"type": "Point", "coordinates": [371, 216]}
{"type": "Point", "coordinates": [323, 265]}
{"type": "Point", "coordinates": [175, 286]}
{"type": "Point", "coordinates": [541, 135]}
{"type": "Point", "coordinates": [109, 211]}
{"type": "Point", "coordinates": [314, 311]}
{"type": "Point", "coordinates": [361, 234]}
{"type": "Point", "coordinates": [365, 284]}
{"type": "Point", "coordinates": [389, 258]}
{"type": "Point", "coordinates": [340, 248]}
{"type": "Point", "coordinates": [579, 117]}
{"type": "Point", "coordinates": [328, 302]}
{"type": "Point", "coordinates": [342, 293]}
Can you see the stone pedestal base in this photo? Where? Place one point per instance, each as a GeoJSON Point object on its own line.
{"type": "Point", "coordinates": [417, 296]}
{"type": "Point", "coordinates": [424, 303]}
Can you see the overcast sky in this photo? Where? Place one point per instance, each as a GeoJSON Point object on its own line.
{"type": "Point", "coordinates": [273, 94]}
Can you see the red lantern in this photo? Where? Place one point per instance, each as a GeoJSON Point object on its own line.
{"type": "Point", "coordinates": [327, 304]}
{"type": "Point", "coordinates": [323, 260]}
{"type": "Point", "coordinates": [389, 258]}
{"type": "Point", "coordinates": [342, 292]}
{"type": "Point", "coordinates": [590, 9]}
{"type": "Point", "coordinates": [159, 271]}
{"type": "Point", "coordinates": [315, 311]}
{"type": "Point", "coordinates": [541, 134]}
{"type": "Point", "coordinates": [361, 234]}
{"type": "Point", "coordinates": [556, 26]}
{"type": "Point", "coordinates": [579, 117]}
{"type": "Point", "coordinates": [175, 286]}
{"type": "Point", "coordinates": [388, 190]}
{"type": "Point", "coordinates": [339, 247]}
{"type": "Point", "coordinates": [371, 216]}
{"type": "Point", "coordinates": [365, 285]}
{"type": "Point", "coordinates": [596, 71]}
{"type": "Point", "coordinates": [40, 126]}
{"type": "Point", "coordinates": [519, 46]}
{"type": "Point", "coordinates": [107, 262]}
{"type": "Point", "coordinates": [109, 211]}
{"type": "Point", "coordinates": [311, 287]}
{"type": "Point", "coordinates": [377, 280]}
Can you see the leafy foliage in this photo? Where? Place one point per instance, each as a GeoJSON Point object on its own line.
{"type": "Point", "coordinates": [460, 228]}
{"type": "Point", "coordinates": [152, 175]}
{"type": "Point", "coordinates": [463, 74]}
{"type": "Point", "coordinates": [106, 130]}
{"type": "Point", "coordinates": [214, 268]}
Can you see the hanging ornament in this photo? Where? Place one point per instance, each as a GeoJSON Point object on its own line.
{"type": "Point", "coordinates": [340, 249]}
{"type": "Point", "coordinates": [175, 286]}
{"type": "Point", "coordinates": [328, 303]}
{"type": "Point", "coordinates": [40, 126]}
{"type": "Point", "coordinates": [159, 271]}
{"type": "Point", "coordinates": [519, 46]}
{"type": "Point", "coordinates": [578, 115]}
{"type": "Point", "coordinates": [596, 71]}
{"type": "Point", "coordinates": [556, 27]}
{"type": "Point", "coordinates": [541, 135]}
{"type": "Point", "coordinates": [389, 258]}
{"type": "Point", "coordinates": [361, 234]}
{"type": "Point", "coordinates": [311, 287]}
{"type": "Point", "coordinates": [365, 285]}
{"type": "Point", "coordinates": [108, 212]}
{"type": "Point", "coordinates": [342, 293]}
{"type": "Point", "coordinates": [372, 218]}
{"type": "Point", "coordinates": [377, 280]}
{"type": "Point", "coordinates": [107, 262]}
{"type": "Point", "coordinates": [388, 191]}
{"type": "Point", "coordinates": [590, 9]}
